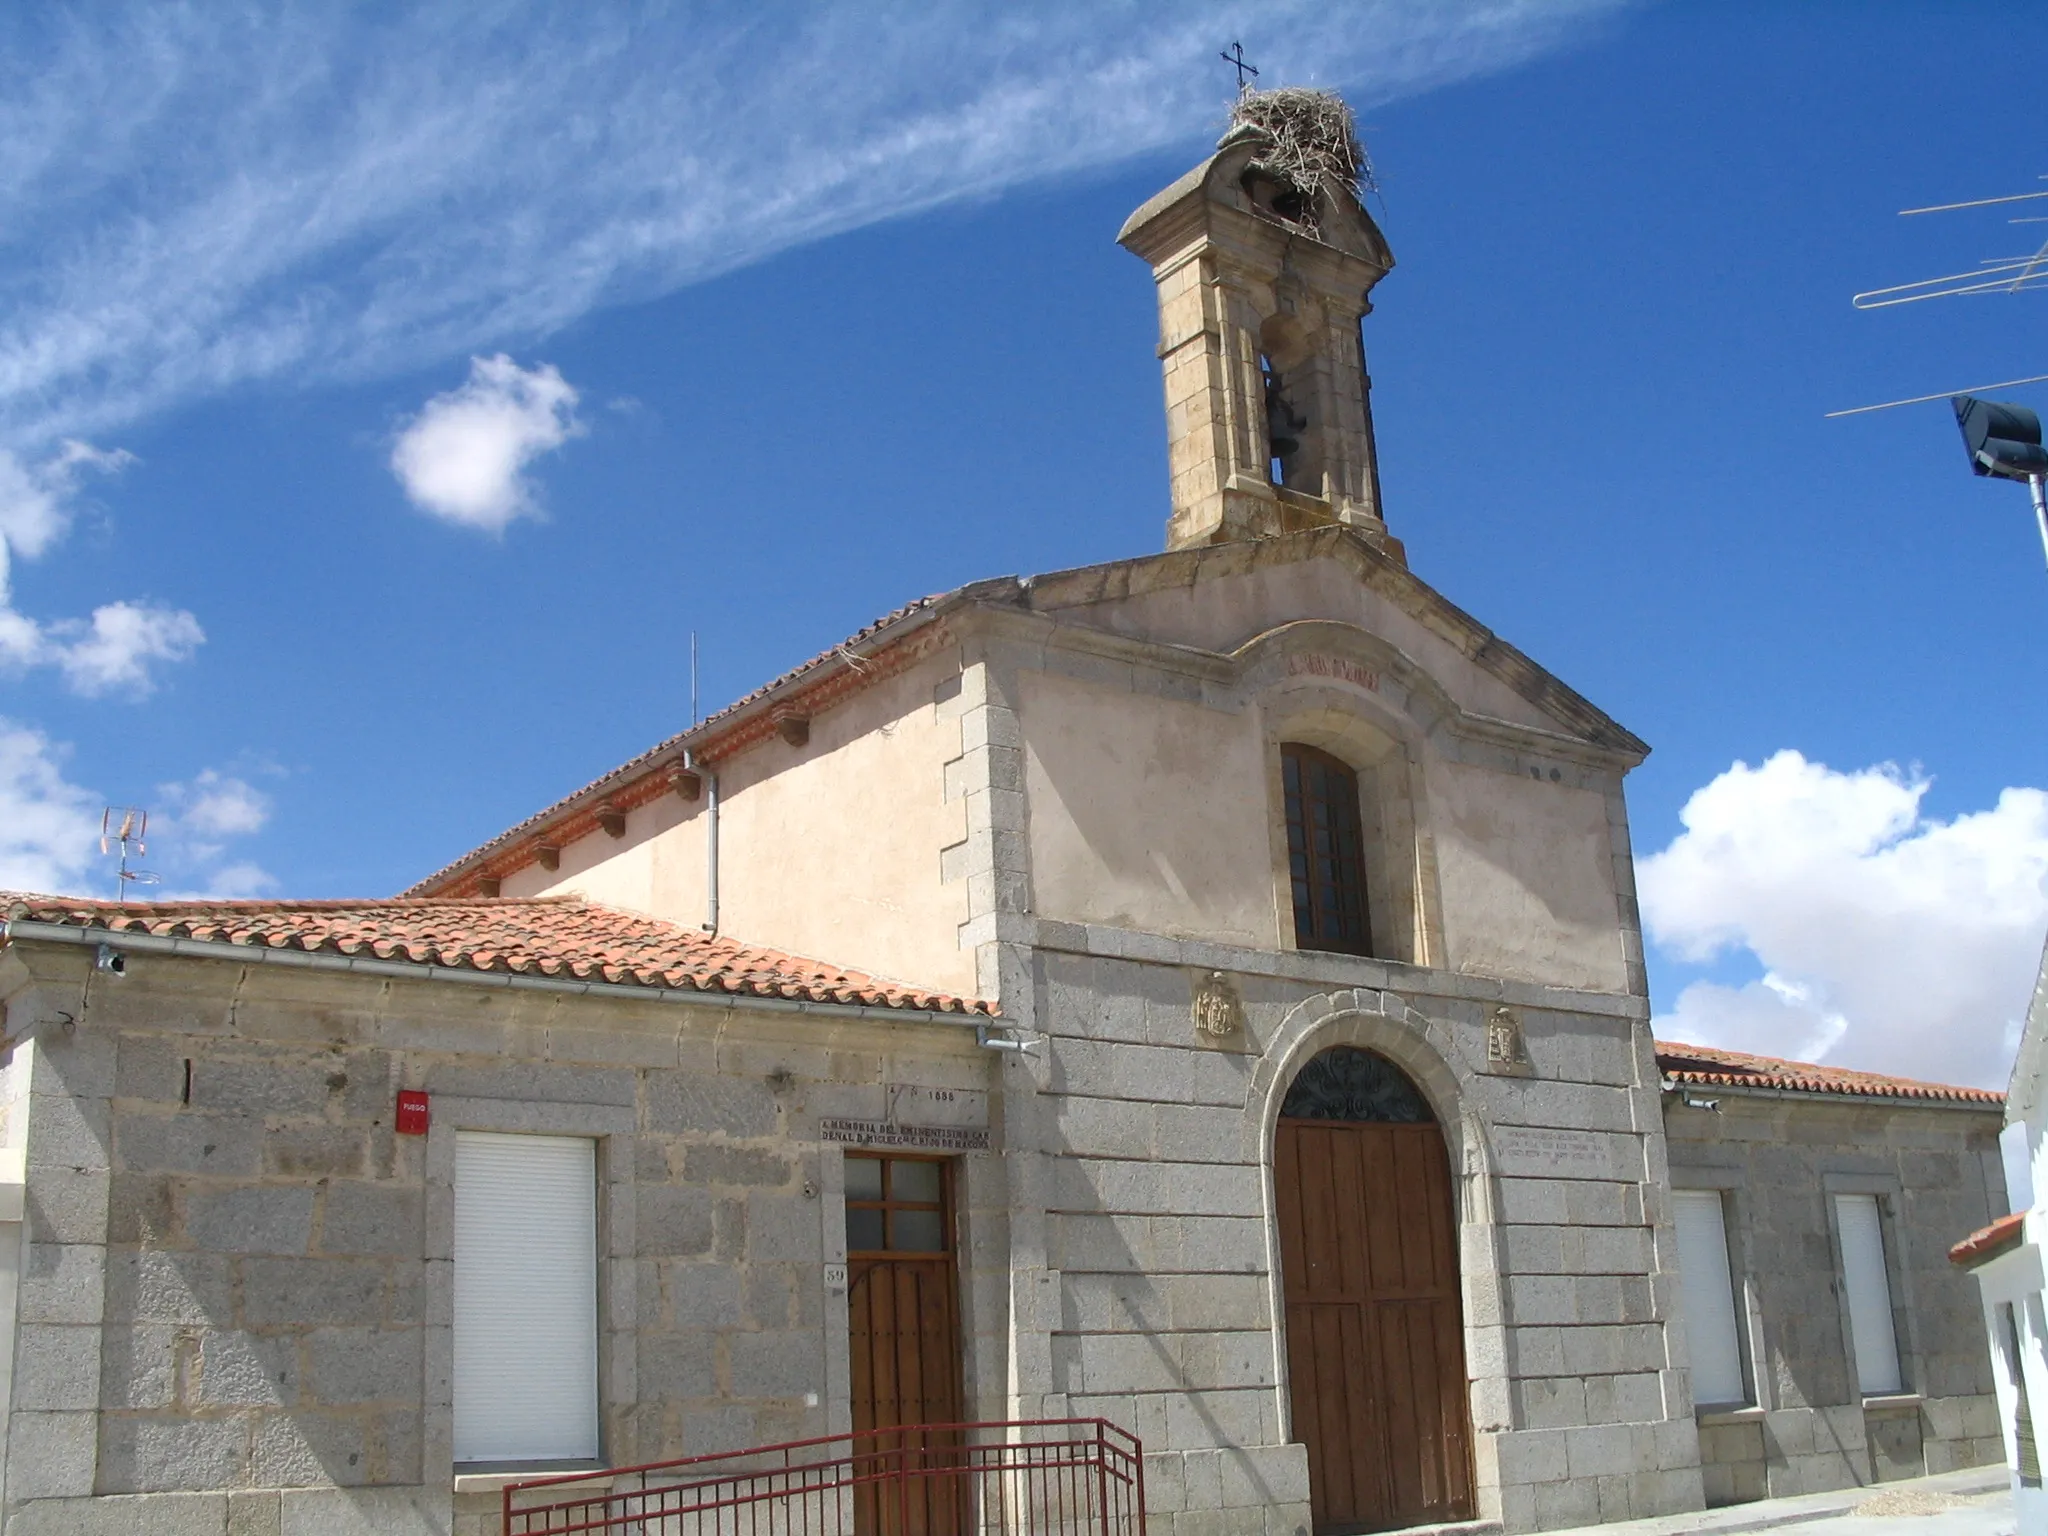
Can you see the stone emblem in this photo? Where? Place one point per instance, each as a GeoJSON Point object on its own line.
{"type": "Point", "coordinates": [1218, 1010]}
{"type": "Point", "coordinates": [1507, 1053]}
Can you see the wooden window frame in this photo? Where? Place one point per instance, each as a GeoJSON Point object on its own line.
{"type": "Point", "coordinates": [1310, 899]}
{"type": "Point", "coordinates": [888, 1205]}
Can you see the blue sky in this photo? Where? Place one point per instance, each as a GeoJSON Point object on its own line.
{"type": "Point", "coordinates": [806, 315]}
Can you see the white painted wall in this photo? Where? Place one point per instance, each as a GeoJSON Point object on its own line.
{"type": "Point", "coordinates": [830, 850]}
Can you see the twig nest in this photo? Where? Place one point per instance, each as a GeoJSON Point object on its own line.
{"type": "Point", "coordinates": [1315, 146]}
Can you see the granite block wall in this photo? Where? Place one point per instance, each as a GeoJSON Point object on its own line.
{"type": "Point", "coordinates": [1159, 1223]}
{"type": "Point", "coordinates": [240, 1279]}
{"type": "Point", "coordinates": [1779, 1159]}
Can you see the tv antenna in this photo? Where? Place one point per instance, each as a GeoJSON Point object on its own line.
{"type": "Point", "coordinates": [1995, 274]}
{"type": "Point", "coordinates": [124, 826]}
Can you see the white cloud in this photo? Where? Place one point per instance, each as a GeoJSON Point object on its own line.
{"type": "Point", "coordinates": [216, 804]}
{"type": "Point", "coordinates": [1889, 941]}
{"type": "Point", "coordinates": [49, 827]}
{"type": "Point", "coordinates": [463, 458]}
{"type": "Point", "coordinates": [114, 649]}
{"type": "Point", "coordinates": [196, 196]}
{"type": "Point", "coordinates": [114, 652]}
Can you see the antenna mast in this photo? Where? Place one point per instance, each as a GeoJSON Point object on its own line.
{"type": "Point", "coordinates": [124, 826]}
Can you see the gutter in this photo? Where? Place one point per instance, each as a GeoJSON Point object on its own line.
{"type": "Point", "coordinates": [24, 929]}
{"type": "Point", "coordinates": [1895, 1101]}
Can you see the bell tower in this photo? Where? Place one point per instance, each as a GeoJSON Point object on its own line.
{"type": "Point", "coordinates": [1264, 256]}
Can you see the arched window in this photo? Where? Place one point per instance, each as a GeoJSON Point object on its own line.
{"type": "Point", "coordinates": [1324, 862]}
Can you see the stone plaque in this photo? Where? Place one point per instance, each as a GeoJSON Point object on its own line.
{"type": "Point", "coordinates": [1218, 1010]}
{"type": "Point", "coordinates": [835, 1279]}
{"type": "Point", "coordinates": [919, 1138]}
{"type": "Point", "coordinates": [965, 1108]}
{"type": "Point", "coordinates": [1507, 1051]}
{"type": "Point", "coordinates": [1525, 1150]}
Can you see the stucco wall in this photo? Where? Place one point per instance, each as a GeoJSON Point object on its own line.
{"type": "Point", "coordinates": [1146, 812]}
{"type": "Point", "coordinates": [1160, 814]}
{"type": "Point", "coordinates": [831, 850]}
{"type": "Point", "coordinates": [1937, 1174]}
{"type": "Point", "coordinates": [1528, 878]}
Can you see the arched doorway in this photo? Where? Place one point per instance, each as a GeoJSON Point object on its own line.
{"type": "Point", "coordinates": [1369, 1267]}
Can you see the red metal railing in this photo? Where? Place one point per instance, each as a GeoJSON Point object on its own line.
{"type": "Point", "coordinates": [1028, 1477]}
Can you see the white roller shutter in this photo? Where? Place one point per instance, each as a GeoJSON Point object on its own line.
{"type": "Point", "coordinates": [1710, 1328]}
{"type": "Point", "coordinates": [525, 1297]}
{"type": "Point", "coordinates": [1870, 1294]}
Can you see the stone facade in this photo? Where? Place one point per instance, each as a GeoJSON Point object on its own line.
{"type": "Point", "coordinates": [1780, 1158]}
{"type": "Point", "coordinates": [237, 1280]}
{"type": "Point", "coordinates": [1159, 1232]}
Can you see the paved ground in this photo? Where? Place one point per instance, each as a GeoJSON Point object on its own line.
{"type": "Point", "coordinates": [1976, 1502]}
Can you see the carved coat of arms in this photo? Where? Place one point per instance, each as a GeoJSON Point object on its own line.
{"type": "Point", "coordinates": [1507, 1052]}
{"type": "Point", "coordinates": [1218, 1010]}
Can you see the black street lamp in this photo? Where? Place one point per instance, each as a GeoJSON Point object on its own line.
{"type": "Point", "coordinates": [2004, 441]}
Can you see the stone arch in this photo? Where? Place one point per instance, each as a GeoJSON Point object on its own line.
{"type": "Point", "coordinates": [1426, 1050]}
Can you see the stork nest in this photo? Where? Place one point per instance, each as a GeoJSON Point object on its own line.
{"type": "Point", "coordinates": [1316, 148]}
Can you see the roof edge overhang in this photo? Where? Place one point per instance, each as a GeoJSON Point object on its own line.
{"type": "Point", "coordinates": [1992, 1241]}
{"type": "Point", "coordinates": [1846, 1099]}
{"type": "Point", "coordinates": [903, 639]}
{"type": "Point", "coordinates": [849, 667]}
{"type": "Point", "coordinates": [1110, 581]}
{"type": "Point", "coordinates": [27, 930]}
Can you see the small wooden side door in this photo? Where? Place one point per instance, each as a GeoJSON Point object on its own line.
{"type": "Point", "coordinates": [903, 1314]}
{"type": "Point", "coordinates": [1375, 1335]}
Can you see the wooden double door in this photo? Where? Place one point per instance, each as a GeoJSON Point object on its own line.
{"type": "Point", "coordinates": [1375, 1336]}
{"type": "Point", "coordinates": [903, 1317]}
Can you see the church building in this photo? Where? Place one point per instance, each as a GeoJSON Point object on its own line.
{"type": "Point", "coordinates": [1229, 1021]}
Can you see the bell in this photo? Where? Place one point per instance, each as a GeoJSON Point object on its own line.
{"type": "Point", "coordinates": [1283, 423]}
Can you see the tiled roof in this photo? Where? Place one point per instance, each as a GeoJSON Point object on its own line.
{"type": "Point", "coordinates": [556, 937]}
{"type": "Point", "coordinates": [1711, 1068]}
{"type": "Point", "coordinates": [1989, 1242]}
{"type": "Point", "coordinates": [629, 782]}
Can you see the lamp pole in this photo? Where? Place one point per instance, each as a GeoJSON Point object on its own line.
{"type": "Point", "coordinates": [2038, 484]}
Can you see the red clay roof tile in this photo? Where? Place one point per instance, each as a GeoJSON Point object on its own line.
{"type": "Point", "coordinates": [549, 936]}
{"type": "Point", "coordinates": [1710, 1067]}
{"type": "Point", "coordinates": [1989, 1242]}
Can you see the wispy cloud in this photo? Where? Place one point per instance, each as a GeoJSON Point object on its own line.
{"type": "Point", "coordinates": [1887, 940]}
{"type": "Point", "coordinates": [464, 457]}
{"type": "Point", "coordinates": [192, 197]}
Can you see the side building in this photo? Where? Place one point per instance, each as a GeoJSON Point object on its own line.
{"type": "Point", "coordinates": [2004, 1257]}
{"type": "Point", "coordinates": [1832, 1343]}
